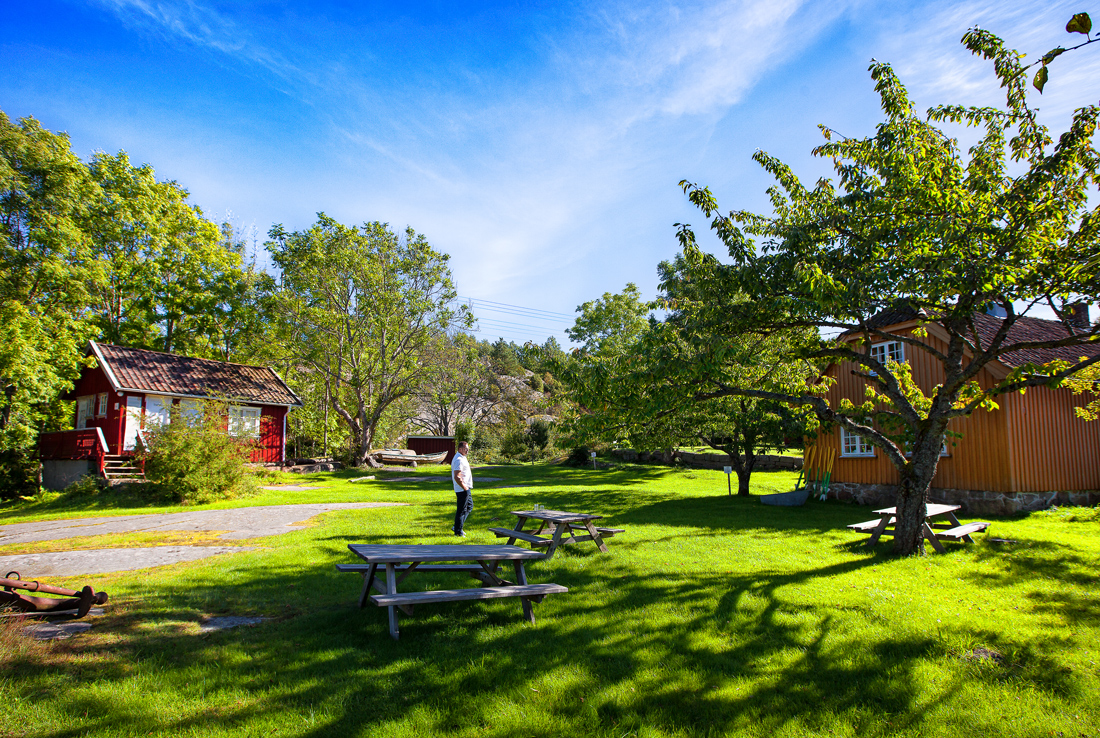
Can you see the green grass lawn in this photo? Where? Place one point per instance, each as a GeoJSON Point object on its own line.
{"type": "Point", "coordinates": [709, 616]}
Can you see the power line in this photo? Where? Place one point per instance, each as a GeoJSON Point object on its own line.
{"type": "Point", "coordinates": [506, 323]}
{"type": "Point", "coordinates": [549, 314]}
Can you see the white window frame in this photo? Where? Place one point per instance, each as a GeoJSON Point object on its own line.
{"type": "Point", "coordinates": [860, 446]}
{"type": "Point", "coordinates": [244, 421]}
{"type": "Point", "coordinates": [101, 405]}
{"type": "Point", "coordinates": [888, 350]}
{"type": "Point", "coordinates": [190, 412]}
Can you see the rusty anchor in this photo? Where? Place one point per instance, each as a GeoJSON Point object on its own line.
{"type": "Point", "coordinates": [81, 601]}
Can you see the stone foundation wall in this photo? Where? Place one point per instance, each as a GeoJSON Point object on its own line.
{"type": "Point", "coordinates": [706, 461]}
{"type": "Point", "coordinates": [57, 474]}
{"type": "Point", "coordinates": [973, 502]}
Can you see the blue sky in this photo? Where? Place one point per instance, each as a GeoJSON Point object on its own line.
{"type": "Point", "coordinates": [540, 144]}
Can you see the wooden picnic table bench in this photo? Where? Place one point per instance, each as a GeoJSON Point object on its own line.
{"type": "Point", "coordinates": [399, 561]}
{"type": "Point", "coordinates": [934, 531]}
{"type": "Point", "coordinates": [556, 528]}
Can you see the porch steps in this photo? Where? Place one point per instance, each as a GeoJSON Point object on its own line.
{"type": "Point", "coordinates": [122, 470]}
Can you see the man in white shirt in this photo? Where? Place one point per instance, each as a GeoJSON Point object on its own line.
{"type": "Point", "coordinates": [464, 487]}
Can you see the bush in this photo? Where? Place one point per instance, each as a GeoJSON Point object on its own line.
{"type": "Point", "coordinates": [193, 459]}
{"type": "Point", "coordinates": [18, 474]}
{"type": "Point", "coordinates": [535, 383]}
{"type": "Point", "coordinates": [514, 443]}
{"type": "Point", "coordinates": [86, 486]}
{"type": "Point", "coordinates": [539, 434]}
{"type": "Point", "coordinates": [464, 431]}
{"type": "Point", "coordinates": [579, 457]}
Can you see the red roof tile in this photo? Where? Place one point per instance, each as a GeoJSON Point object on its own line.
{"type": "Point", "coordinates": [155, 372]}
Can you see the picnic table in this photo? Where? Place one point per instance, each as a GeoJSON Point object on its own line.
{"type": "Point", "coordinates": [556, 528]}
{"type": "Point", "coordinates": [397, 562]}
{"type": "Point", "coordinates": [935, 532]}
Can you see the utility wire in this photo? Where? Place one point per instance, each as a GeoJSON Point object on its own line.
{"type": "Point", "coordinates": [505, 307]}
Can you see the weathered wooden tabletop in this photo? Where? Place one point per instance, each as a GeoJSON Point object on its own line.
{"type": "Point", "coordinates": [398, 554]}
{"type": "Point", "coordinates": [931, 510]}
{"type": "Point", "coordinates": [556, 516]}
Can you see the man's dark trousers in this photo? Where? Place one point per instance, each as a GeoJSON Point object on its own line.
{"type": "Point", "coordinates": [465, 506]}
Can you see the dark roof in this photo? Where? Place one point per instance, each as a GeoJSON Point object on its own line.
{"type": "Point", "coordinates": [1031, 329]}
{"type": "Point", "coordinates": [171, 374]}
{"type": "Point", "coordinates": [1025, 329]}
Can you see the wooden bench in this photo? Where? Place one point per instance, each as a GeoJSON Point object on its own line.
{"type": "Point", "coordinates": [867, 525]}
{"type": "Point", "coordinates": [963, 531]}
{"type": "Point", "coordinates": [609, 532]}
{"type": "Point", "coordinates": [365, 568]}
{"type": "Point", "coordinates": [520, 535]}
{"type": "Point", "coordinates": [527, 591]}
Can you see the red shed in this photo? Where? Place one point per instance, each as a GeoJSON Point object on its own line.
{"type": "Point", "coordinates": [433, 445]}
{"type": "Point", "coordinates": [130, 387]}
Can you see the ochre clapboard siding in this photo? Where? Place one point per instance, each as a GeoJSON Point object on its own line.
{"type": "Point", "coordinates": [1031, 443]}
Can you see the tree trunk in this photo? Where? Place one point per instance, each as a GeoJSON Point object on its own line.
{"type": "Point", "coordinates": [743, 477]}
{"type": "Point", "coordinates": [912, 496]}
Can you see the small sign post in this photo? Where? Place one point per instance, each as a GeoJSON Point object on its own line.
{"type": "Point", "coordinates": [592, 455]}
{"type": "Point", "coordinates": [729, 487]}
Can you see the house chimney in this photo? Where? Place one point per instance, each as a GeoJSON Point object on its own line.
{"type": "Point", "coordinates": [1077, 315]}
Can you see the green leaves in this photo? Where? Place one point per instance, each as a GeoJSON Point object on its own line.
{"type": "Point", "coordinates": [1079, 23]}
{"type": "Point", "coordinates": [1041, 78]}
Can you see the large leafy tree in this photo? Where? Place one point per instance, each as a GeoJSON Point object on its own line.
{"type": "Point", "coordinates": [913, 220]}
{"type": "Point", "coordinates": [46, 270]}
{"type": "Point", "coordinates": [361, 307]}
{"type": "Point", "coordinates": [639, 382]}
{"type": "Point", "coordinates": [170, 272]}
{"type": "Point", "coordinates": [609, 324]}
{"type": "Point", "coordinates": [459, 387]}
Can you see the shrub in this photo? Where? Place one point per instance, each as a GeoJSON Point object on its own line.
{"type": "Point", "coordinates": [18, 474]}
{"type": "Point", "coordinates": [193, 458]}
{"type": "Point", "coordinates": [579, 456]}
{"type": "Point", "coordinates": [538, 434]}
{"type": "Point", "coordinates": [86, 486]}
{"type": "Point", "coordinates": [535, 383]}
{"type": "Point", "coordinates": [514, 443]}
{"type": "Point", "coordinates": [464, 431]}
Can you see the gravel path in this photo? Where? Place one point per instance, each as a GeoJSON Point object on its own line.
{"type": "Point", "coordinates": [239, 523]}
{"type": "Point", "coordinates": [105, 560]}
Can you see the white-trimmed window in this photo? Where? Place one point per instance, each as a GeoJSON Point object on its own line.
{"type": "Point", "coordinates": [888, 351]}
{"type": "Point", "coordinates": [244, 422]}
{"type": "Point", "coordinates": [853, 444]}
{"type": "Point", "coordinates": [101, 405]}
{"type": "Point", "coordinates": [190, 412]}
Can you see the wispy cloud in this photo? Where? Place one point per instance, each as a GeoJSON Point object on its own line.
{"type": "Point", "coordinates": [203, 26]}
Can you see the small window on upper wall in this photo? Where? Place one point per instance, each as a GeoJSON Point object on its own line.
{"type": "Point", "coordinates": [888, 351]}
{"type": "Point", "coordinates": [853, 444]}
{"type": "Point", "coordinates": [101, 405]}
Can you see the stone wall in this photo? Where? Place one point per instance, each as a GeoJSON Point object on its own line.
{"type": "Point", "coordinates": [706, 461]}
{"type": "Point", "coordinates": [57, 474]}
{"type": "Point", "coordinates": [973, 502]}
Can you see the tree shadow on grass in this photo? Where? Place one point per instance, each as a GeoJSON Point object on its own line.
{"type": "Point", "coordinates": [684, 651]}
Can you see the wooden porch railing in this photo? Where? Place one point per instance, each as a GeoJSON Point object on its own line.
{"type": "Point", "coordinates": [85, 443]}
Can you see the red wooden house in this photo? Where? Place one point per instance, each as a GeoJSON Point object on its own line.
{"type": "Point", "coordinates": [130, 388]}
{"type": "Point", "coordinates": [1030, 453]}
